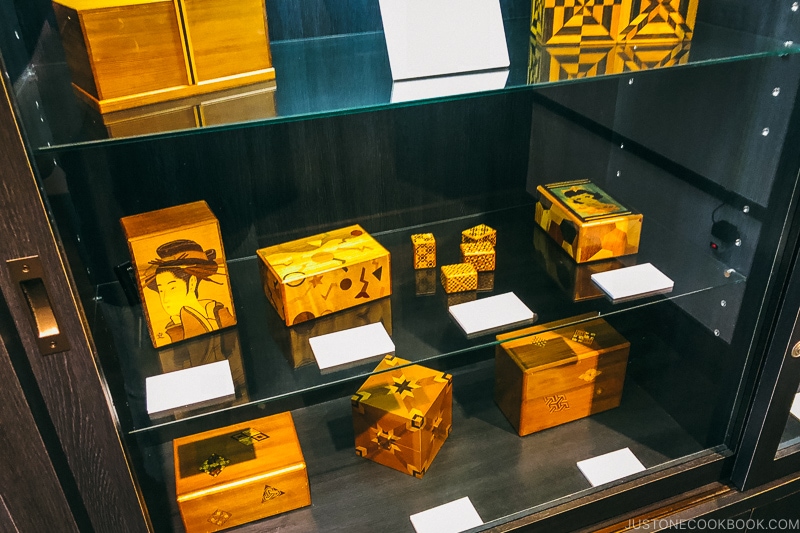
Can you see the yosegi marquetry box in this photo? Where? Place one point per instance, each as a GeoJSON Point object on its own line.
{"type": "Point", "coordinates": [321, 274]}
{"type": "Point", "coordinates": [459, 278]}
{"type": "Point", "coordinates": [295, 340]}
{"type": "Point", "coordinates": [552, 377]}
{"type": "Point", "coordinates": [586, 222]}
{"type": "Point", "coordinates": [424, 246]}
{"type": "Point", "coordinates": [480, 233]}
{"type": "Point", "coordinates": [237, 474]}
{"type": "Point", "coordinates": [402, 417]}
{"type": "Point", "coordinates": [481, 255]}
{"type": "Point", "coordinates": [598, 22]}
{"type": "Point", "coordinates": [180, 269]}
{"type": "Point", "coordinates": [127, 53]}
{"type": "Point", "coordinates": [574, 279]}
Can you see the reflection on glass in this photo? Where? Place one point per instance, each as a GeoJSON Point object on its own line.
{"type": "Point", "coordinates": [791, 433]}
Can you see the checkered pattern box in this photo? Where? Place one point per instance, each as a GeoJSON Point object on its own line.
{"type": "Point", "coordinates": [459, 278]}
{"type": "Point", "coordinates": [480, 233]}
{"type": "Point", "coordinates": [403, 415]}
{"type": "Point", "coordinates": [598, 22]}
{"type": "Point", "coordinates": [424, 250]}
{"type": "Point", "coordinates": [548, 375]}
{"type": "Point", "coordinates": [481, 255]}
{"type": "Point", "coordinates": [587, 222]}
{"type": "Point", "coordinates": [237, 474]}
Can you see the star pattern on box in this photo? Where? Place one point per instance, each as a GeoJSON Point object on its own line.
{"type": "Point", "coordinates": [214, 465]}
{"type": "Point", "coordinates": [404, 386]}
{"type": "Point", "coordinates": [658, 21]}
{"type": "Point", "coordinates": [575, 21]}
{"type": "Point", "coordinates": [386, 440]}
{"type": "Point", "coordinates": [556, 403]}
{"type": "Point", "coordinates": [219, 517]}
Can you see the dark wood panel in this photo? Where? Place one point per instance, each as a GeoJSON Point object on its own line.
{"type": "Point", "coordinates": [69, 381]}
{"type": "Point", "coordinates": [31, 498]}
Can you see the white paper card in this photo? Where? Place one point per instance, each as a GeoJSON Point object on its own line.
{"type": "Point", "coordinates": [610, 467]}
{"type": "Point", "coordinates": [351, 345]}
{"type": "Point", "coordinates": [190, 386]}
{"type": "Point", "coordinates": [454, 517]}
{"type": "Point", "coordinates": [795, 410]}
{"type": "Point", "coordinates": [488, 314]}
{"type": "Point", "coordinates": [410, 90]}
{"type": "Point", "coordinates": [633, 282]}
{"type": "Point", "coordinates": [441, 37]}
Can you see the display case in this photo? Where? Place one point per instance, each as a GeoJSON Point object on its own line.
{"type": "Point", "coordinates": [699, 142]}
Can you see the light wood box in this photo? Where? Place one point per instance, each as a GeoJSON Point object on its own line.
{"type": "Point", "coordinates": [424, 245]}
{"type": "Point", "coordinates": [180, 270]}
{"type": "Point", "coordinates": [586, 222]}
{"type": "Point", "coordinates": [553, 376]}
{"type": "Point", "coordinates": [127, 53]}
{"type": "Point", "coordinates": [241, 473]}
{"type": "Point", "coordinates": [321, 274]}
{"type": "Point", "coordinates": [402, 417]}
{"type": "Point", "coordinates": [460, 277]}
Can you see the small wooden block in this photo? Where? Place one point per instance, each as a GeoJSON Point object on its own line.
{"type": "Point", "coordinates": [459, 278]}
{"type": "Point", "coordinates": [479, 233]}
{"type": "Point", "coordinates": [554, 376]}
{"type": "Point", "coordinates": [480, 254]}
{"type": "Point", "coordinates": [321, 274]}
{"type": "Point", "coordinates": [237, 474]}
{"type": "Point", "coordinates": [402, 417]}
{"type": "Point", "coordinates": [180, 271]}
{"type": "Point", "coordinates": [424, 250]}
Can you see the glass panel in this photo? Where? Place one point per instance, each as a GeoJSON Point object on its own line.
{"type": "Point", "coordinates": [791, 434]}
{"type": "Point", "coordinates": [330, 144]}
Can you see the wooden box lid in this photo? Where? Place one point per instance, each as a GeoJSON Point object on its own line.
{"type": "Point", "coordinates": [247, 452]}
{"type": "Point", "coordinates": [406, 391]}
{"type": "Point", "coordinates": [601, 207]}
{"type": "Point", "coordinates": [86, 5]}
{"type": "Point", "coordinates": [322, 253]}
{"type": "Point", "coordinates": [167, 220]}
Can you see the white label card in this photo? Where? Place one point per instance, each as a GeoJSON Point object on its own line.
{"type": "Point", "coordinates": [610, 467]}
{"type": "Point", "coordinates": [491, 314]}
{"type": "Point", "coordinates": [411, 90]}
{"type": "Point", "coordinates": [454, 517]}
{"type": "Point", "coordinates": [350, 345]}
{"type": "Point", "coordinates": [633, 282]}
{"type": "Point", "coordinates": [440, 37]}
{"type": "Point", "coordinates": [190, 386]}
{"type": "Point", "coordinates": [795, 410]}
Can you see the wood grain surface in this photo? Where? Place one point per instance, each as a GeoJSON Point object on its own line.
{"type": "Point", "coordinates": [69, 382]}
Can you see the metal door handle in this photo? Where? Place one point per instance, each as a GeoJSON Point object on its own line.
{"type": "Point", "coordinates": [27, 272]}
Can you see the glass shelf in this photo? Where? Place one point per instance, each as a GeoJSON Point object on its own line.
{"type": "Point", "coordinates": [269, 370]}
{"type": "Point", "coordinates": [346, 74]}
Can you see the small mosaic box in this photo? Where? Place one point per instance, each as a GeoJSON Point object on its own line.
{"type": "Point", "coordinates": [459, 278]}
{"type": "Point", "coordinates": [424, 250]}
{"type": "Point", "coordinates": [237, 474]}
{"type": "Point", "coordinates": [586, 222]}
{"type": "Point", "coordinates": [481, 255]}
{"type": "Point", "coordinates": [550, 374]}
{"type": "Point", "coordinates": [402, 417]}
{"type": "Point", "coordinates": [479, 233]}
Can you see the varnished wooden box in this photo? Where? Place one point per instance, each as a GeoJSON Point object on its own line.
{"type": "Point", "coordinates": [553, 376]}
{"type": "Point", "coordinates": [241, 473]}
{"type": "Point", "coordinates": [181, 274]}
{"type": "Point", "coordinates": [586, 222]}
{"type": "Point", "coordinates": [127, 53]}
{"type": "Point", "coordinates": [569, 22]}
{"type": "Point", "coordinates": [321, 274]}
{"type": "Point", "coordinates": [402, 417]}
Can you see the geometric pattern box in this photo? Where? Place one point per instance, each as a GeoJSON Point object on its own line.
{"type": "Point", "coordinates": [402, 416]}
{"type": "Point", "coordinates": [236, 474]}
{"type": "Point", "coordinates": [321, 274]}
{"type": "Point", "coordinates": [586, 222]}
{"type": "Point", "coordinates": [554, 376]}
{"type": "Point", "coordinates": [597, 22]}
